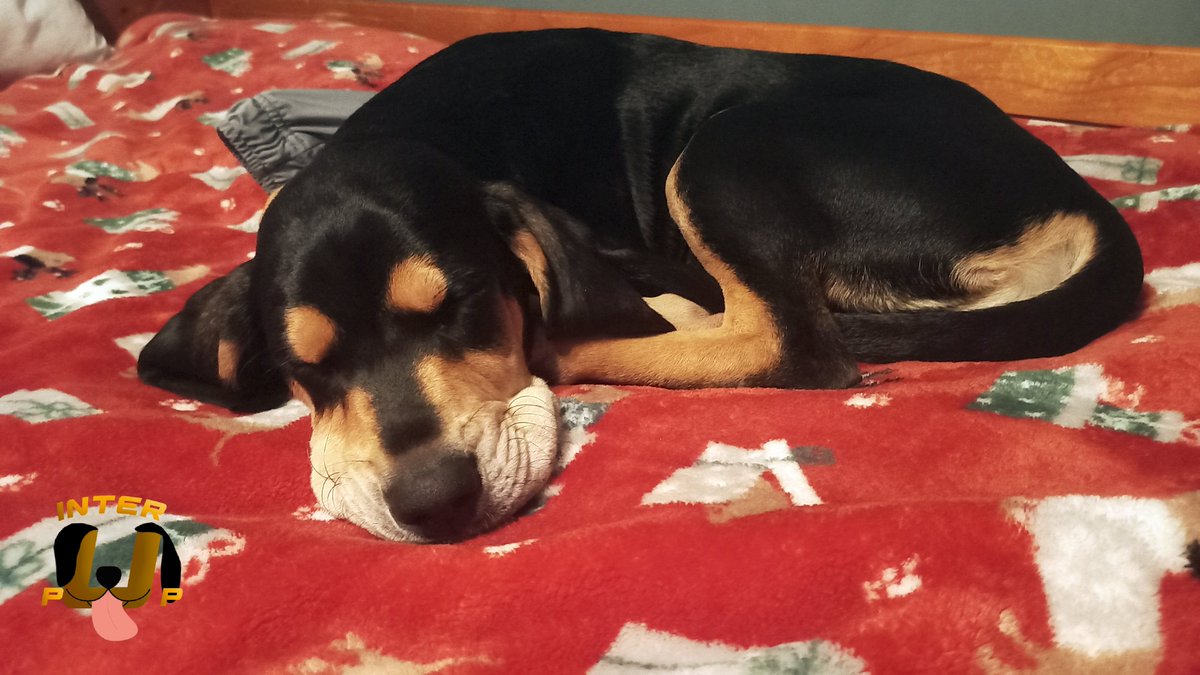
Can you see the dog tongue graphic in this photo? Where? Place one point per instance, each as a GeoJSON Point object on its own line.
{"type": "Point", "coordinates": [108, 612]}
{"type": "Point", "coordinates": [110, 619]}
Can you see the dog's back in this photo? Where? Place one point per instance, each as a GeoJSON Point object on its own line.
{"type": "Point", "coordinates": [592, 122]}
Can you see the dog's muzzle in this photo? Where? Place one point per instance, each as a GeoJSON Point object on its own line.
{"type": "Point", "coordinates": [444, 494]}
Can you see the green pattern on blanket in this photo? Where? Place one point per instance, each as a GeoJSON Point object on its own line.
{"type": "Point", "coordinates": [150, 220]}
{"type": "Point", "coordinates": [9, 139]}
{"type": "Point", "coordinates": [94, 169]}
{"type": "Point", "coordinates": [234, 61]}
{"type": "Point", "coordinates": [107, 286]}
{"type": "Point", "coordinates": [44, 405]}
{"type": "Point", "coordinates": [1148, 201]}
{"type": "Point", "coordinates": [1124, 168]}
{"type": "Point", "coordinates": [1074, 397]}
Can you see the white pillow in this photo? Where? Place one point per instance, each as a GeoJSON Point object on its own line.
{"type": "Point", "coordinates": [39, 36]}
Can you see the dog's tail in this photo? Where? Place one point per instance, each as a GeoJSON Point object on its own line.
{"type": "Point", "coordinates": [1092, 302]}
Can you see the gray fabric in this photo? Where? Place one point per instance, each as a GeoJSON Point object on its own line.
{"type": "Point", "coordinates": [276, 133]}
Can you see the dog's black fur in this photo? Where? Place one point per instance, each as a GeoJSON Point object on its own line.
{"type": "Point", "coordinates": [793, 168]}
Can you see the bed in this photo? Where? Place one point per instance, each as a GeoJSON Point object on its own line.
{"type": "Point", "coordinates": [1038, 515]}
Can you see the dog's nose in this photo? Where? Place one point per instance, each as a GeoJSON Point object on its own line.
{"type": "Point", "coordinates": [108, 576]}
{"type": "Point", "coordinates": [435, 498]}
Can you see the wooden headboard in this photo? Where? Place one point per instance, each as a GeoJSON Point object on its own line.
{"type": "Point", "coordinates": [1101, 83]}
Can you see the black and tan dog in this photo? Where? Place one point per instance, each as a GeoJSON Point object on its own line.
{"type": "Point", "coordinates": [586, 206]}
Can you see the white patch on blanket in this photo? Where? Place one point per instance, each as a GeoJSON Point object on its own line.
{"type": "Point", "coordinates": [724, 473]}
{"type": "Point", "coordinates": [109, 285]}
{"type": "Point", "coordinates": [1090, 385]}
{"type": "Point", "coordinates": [276, 418]}
{"type": "Point", "coordinates": [81, 149]}
{"type": "Point", "coordinates": [313, 512]}
{"type": "Point", "coordinates": [571, 442]}
{"type": "Point", "coordinates": [197, 552]}
{"type": "Point", "coordinates": [69, 114]}
{"type": "Point", "coordinates": [1102, 560]}
{"type": "Point", "coordinates": [220, 177]}
{"type": "Point", "coordinates": [212, 119]}
{"type": "Point", "coordinates": [250, 225]}
{"type": "Point", "coordinates": [501, 550]}
{"type": "Point", "coordinates": [79, 75]}
{"type": "Point", "coordinates": [869, 400]}
{"type": "Point", "coordinates": [44, 405]}
{"type": "Point", "coordinates": [160, 111]}
{"type": "Point", "coordinates": [47, 258]}
{"type": "Point", "coordinates": [13, 482]}
{"type": "Point", "coordinates": [895, 582]}
{"type": "Point", "coordinates": [1175, 279]}
{"type": "Point", "coordinates": [112, 81]}
{"type": "Point", "coordinates": [1123, 168]}
{"type": "Point", "coordinates": [180, 404]}
{"type": "Point", "coordinates": [133, 344]}
{"type": "Point", "coordinates": [10, 139]}
{"type": "Point", "coordinates": [276, 28]}
{"type": "Point", "coordinates": [178, 30]}
{"type": "Point", "coordinates": [638, 649]}
{"type": "Point", "coordinates": [308, 49]}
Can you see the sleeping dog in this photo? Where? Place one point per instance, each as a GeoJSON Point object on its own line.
{"type": "Point", "coordinates": [583, 206]}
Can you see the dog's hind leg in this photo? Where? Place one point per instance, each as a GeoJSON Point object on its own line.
{"type": "Point", "coordinates": [776, 330]}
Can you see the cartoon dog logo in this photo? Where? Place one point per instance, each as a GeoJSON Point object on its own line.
{"type": "Point", "coordinates": [74, 552]}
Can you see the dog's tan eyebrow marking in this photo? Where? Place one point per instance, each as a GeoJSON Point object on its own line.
{"type": "Point", "coordinates": [527, 249]}
{"type": "Point", "coordinates": [309, 333]}
{"type": "Point", "coordinates": [227, 362]}
{"type": "Point", "coordinates": [416, 285]}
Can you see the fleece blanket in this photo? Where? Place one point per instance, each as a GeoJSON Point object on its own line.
{"type": "Point", "coordinates": [958, 517]}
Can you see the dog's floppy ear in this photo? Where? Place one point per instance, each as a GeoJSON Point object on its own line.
{"type": "Point", "coordinates": [66, 551]}
{"type": "Point", "coordinates": [580, 292]}
{"type": "Point", "coordinates": [171, 570]}
{"type": "Point", "coordinates": [214, 350]}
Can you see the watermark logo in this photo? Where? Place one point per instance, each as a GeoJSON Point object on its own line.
{"type": "Point", "coordinates": [75, 552]}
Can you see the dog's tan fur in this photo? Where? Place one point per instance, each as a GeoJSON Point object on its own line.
{"type": "Point", "coordinates": [744, 346]}
{"type": "Point", "coordinates": [310, 333]}
{"type": "Point", "coordinates": [1046, 255]}
{"type": "Point", "coordinates": [457, 388]}
{"type": "Point", "coordinates": [416, 284]}
{"type": "Point", "coordinates": [349, 432]}
{"type": "Point", "coordinates": [227, 362]}
{"type": "Point", "coordinates": [527, 249]}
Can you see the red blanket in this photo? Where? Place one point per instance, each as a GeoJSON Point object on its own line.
{"type": "Point", "coordinates": [952, 518]}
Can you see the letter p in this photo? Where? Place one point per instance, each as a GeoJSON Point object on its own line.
{"type": "Point", "coordinates": [170, 595]}
{"type": "Point", "coordinates": [50, 593]}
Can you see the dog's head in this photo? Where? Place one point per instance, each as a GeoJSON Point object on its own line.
{"type": "Point", "coordinates": [388, 294]}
